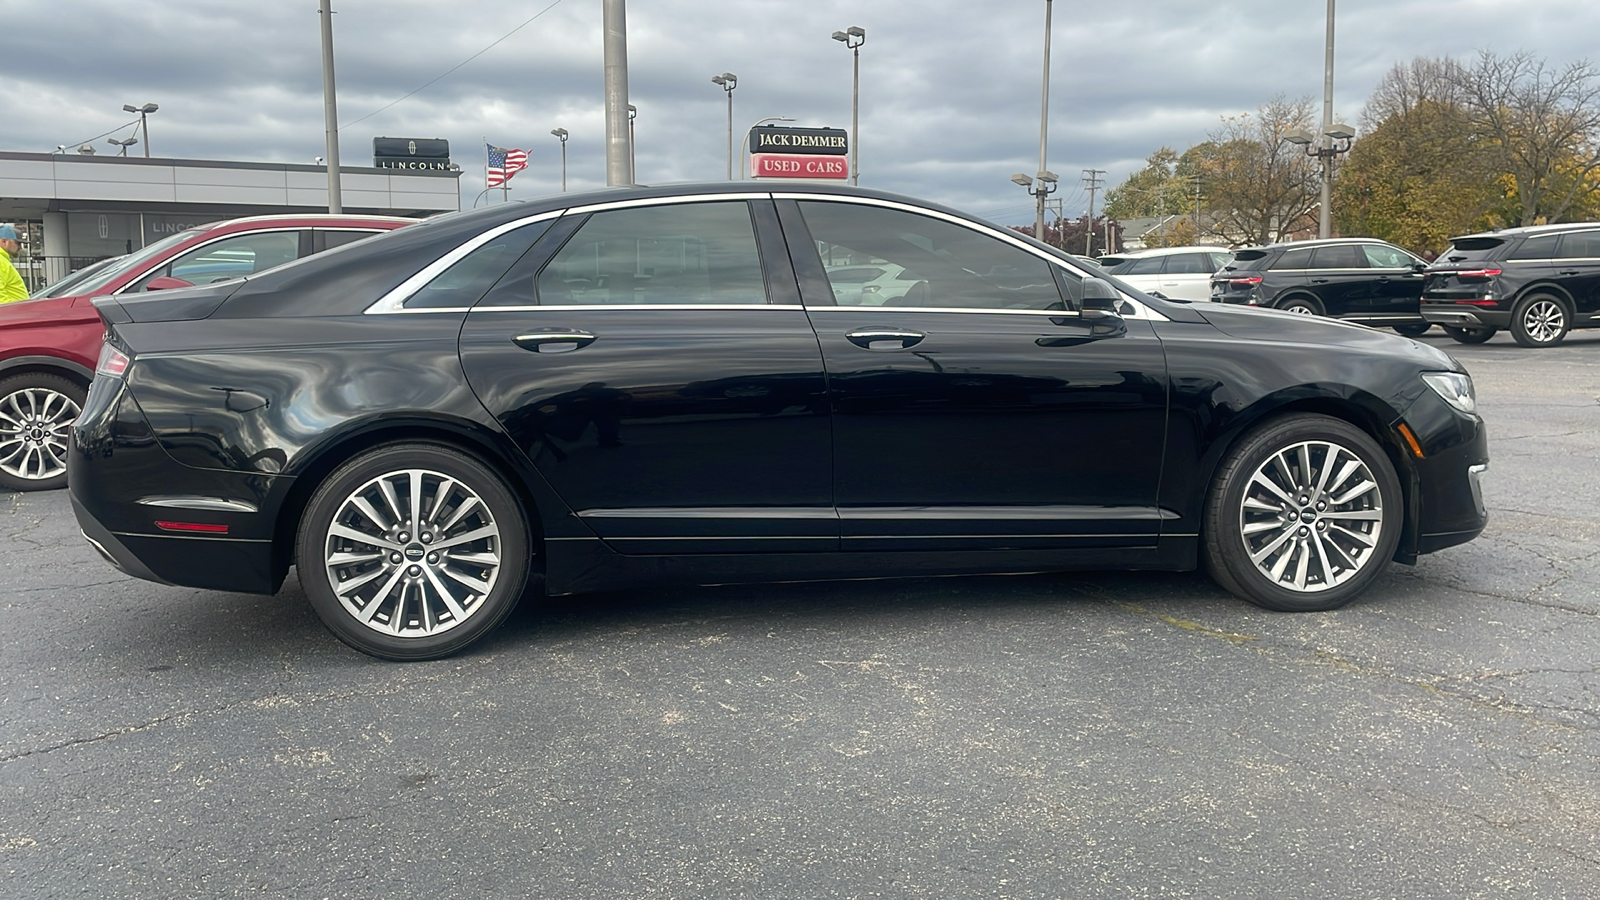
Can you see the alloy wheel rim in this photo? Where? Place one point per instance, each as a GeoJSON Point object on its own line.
{"type": "Point", "coordinates": [1543, 320]}
{"type": "Point", "coordinates": [412, 553]}
{"type": "Point", "coordinates": [1311, 517]}
{"type": "Point", "coordinates": [33, 432]}
{"type": "Point", "coordinates": [1301, 310]}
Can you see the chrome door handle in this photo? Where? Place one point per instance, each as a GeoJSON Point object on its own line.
{"type": "Point", "coordinates": [554, 341]}
{"type": "Point", "coordinates": [1319, 281]}
{"type": "Point", "coordinates": [885, 338]}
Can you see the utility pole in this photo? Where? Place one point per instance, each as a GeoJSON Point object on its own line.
{"type": "Point", "coordinates": [1325, 215]}
{"type": "Point", "coordinates": [329, 112]}
{"type": "Point", "coordinates": [1093, 177]}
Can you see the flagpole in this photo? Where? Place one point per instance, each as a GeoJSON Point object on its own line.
{"type": "Point", "coordinates": [486, 164]}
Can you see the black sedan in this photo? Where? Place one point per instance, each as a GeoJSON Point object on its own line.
{"type": "Point", "coordinates": [653, 385]}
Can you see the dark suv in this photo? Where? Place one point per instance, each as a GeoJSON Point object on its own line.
{"type": "Point", "coordinates": [1538, 282]}
{"type": "Point", "coordinates": [1356, 279]}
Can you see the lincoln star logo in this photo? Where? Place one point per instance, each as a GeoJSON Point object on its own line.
{"type": "Point", "coordinates": [411, 147]}
{"type": "Point", "coordinates": [414, 552]}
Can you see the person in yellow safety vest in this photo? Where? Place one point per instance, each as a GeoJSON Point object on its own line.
{"type": "Point", "coordinates": [11, 286]}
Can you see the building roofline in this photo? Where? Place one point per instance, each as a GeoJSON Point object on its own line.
{"type": "Point", "coordinates": [74, 157]}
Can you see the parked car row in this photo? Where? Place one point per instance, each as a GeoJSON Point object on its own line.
{"type": "Point", "coordinates": [49, 343]}
{"type": "Point", "coordinates": [1538, 283]}
{"type": "Point", "coordinates": [648, 385]}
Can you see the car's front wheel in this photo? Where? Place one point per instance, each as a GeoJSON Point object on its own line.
{"type": "Point", "coordinates": [1540, 320]}
{"type": "Point", "coordinates": [1305, 512]}
{"type": "Point", "coordinates": [1470, 334]}
{"type": "Point", "coordinates": [412, 551]}
{"type": "Point", "coordinates": [36, 409]}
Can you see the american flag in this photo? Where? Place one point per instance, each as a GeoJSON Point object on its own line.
{"type": "Point", "coordinates": [505, 163]}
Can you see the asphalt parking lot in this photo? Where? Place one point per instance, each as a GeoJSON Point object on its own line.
{"type": "Point", "coordinates": [1102, 735]}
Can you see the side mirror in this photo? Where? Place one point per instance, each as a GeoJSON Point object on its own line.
{"type": "Point", "coordinates": [166, 283]}
{"type": "Point", "coordinates": [1419, 267]}
{"type": "Point", "coordinates": [1100, 299]}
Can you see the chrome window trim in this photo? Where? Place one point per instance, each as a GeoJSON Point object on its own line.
{"type": "Point", "coordinates": [186, 251]}
{"type": "Point", "coordinates": [394, 300]}
{"type": "Point", "coordinates": [580, 307]}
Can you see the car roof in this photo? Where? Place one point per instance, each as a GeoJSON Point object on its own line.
{"type": "Point", "coordinates": [1507, 233]}
{"type": "Point", "coordinates": [1315, 242]}
{"type": "Point", "coordinates": [306, 220]}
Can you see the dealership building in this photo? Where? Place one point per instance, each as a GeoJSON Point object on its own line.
{"type": "Point", "coordinates": [72, 209]}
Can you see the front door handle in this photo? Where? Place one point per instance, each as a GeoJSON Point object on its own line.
{"type": "Point", "coordinates": [1319, 281]}
{"type": "Point", "coordinates": [1567, 272]}
{"type": "Point", "coordinates": [556, 340]}
{"type": "Point", "coordinates": [885, 338]}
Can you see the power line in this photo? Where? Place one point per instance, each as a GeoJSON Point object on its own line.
{"type": "Point", "coordinates": [456, 66]}
{"type": "Point", "coordinates": [99, 136]}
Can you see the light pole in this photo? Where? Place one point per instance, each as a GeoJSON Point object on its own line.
{"type": "Point", "coordinates": [1044, 122]}
{"type": "Point", "coordinates": [561, 135]}
{"type": "Point", "coordinates": [853, 37]}
{"type": "Point", "coordinates": [1040, 188]}
{"type": "Point", "coordinates": [144, 123]}
{"type": "Point", "coordinates": [1334, 140]}
{"type": "Point", "coordinates": [124, 144]}
{"type": "Point", "coordinates": [330, 111]}
{"type": "Point", "coordinates": [744, 142]}
{"type": "Point", "coordinates": [728, 81]}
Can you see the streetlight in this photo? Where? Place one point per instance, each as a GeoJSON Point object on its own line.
{"type": "Point", "coordinates": [728, 81]}
{"type": "Point", "coordinates": [744, 142]}
{"type": "Point", "coordinates": [1334, 140]}
{"type": "Point", "coordinates": [1040, 187]}
{"type": "Point", "coordinates": [561, 134]}
{"type": "Point", "coordinates": [124, 144]}
{"type": "Point", "coordinates": [853, 37]}
{"type": "Point", "coordinates": [144, 122]}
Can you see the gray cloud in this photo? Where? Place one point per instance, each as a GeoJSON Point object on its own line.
{"type": "Point", "coordinates": [950, 89]}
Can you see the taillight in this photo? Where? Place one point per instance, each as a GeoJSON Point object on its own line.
{"type": "Point", "coordinates": [113, 362]}
{"type": "Point", "coordinates": [1478, 273]}
{"type": "Point", "coordinates": [1246, 281]}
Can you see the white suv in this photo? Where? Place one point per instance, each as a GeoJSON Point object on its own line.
{"type": "Point", "coordinates": [1182, 273]}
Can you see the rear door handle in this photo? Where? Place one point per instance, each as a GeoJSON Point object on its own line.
{"type": "Point", "coordinates": [885, 338]}
{"type": "Point", "coordinates": [1319, 281]}
{"type": "Point", "coordinates": [557, 340]}
{"type": "Point", "coordinates": [1568, 272]}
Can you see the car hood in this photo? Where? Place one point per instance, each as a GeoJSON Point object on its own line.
{"type": "Point", "coordinates": [179, 305]}
{"type": "Point", "coordinates": [1255, 324]}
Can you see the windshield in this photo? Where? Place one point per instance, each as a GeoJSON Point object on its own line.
{"type": "Point", "coordinates": [132, 261]}
{"type": "Point", "coordinates": [63, 288]}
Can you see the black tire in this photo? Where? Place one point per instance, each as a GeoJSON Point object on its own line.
{"type": "Point", "coordinates": [1540, 320]}
{"type": "Point", "coordinates": [395, 572]}
{"type": "Point", "coordinates": [1347, 543]}
{"type": "Point", "coordinates": [1306, 306]}
{"type": "Point", "coordinates": [36, 410]}
{"type": "Point", "coordinates": [1470, 334]}
{"type": "Point", "coordinates": [1413, 329]}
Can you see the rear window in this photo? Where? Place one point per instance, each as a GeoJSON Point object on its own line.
{"type": "Point", "coordinates": [1298, 258]}
{"type": "Point", "coordinates": [1473, 249]}
{"type": "Point", "coordinates": [1244, 260]}
{"type": "Point", "coordinates": [1540, 247]}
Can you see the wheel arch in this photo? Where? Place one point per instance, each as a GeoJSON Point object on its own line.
{"type": "Point", "coordinates": [1299, 293]}
{"type": "Point", "coordinates": [482, 444]}
{"type": "Point", "coordinates": [47, 365]}
{"type": "Point", "coordinates": [1546, 287]}
{"type": "Point", "coordinates": [1358, 408]}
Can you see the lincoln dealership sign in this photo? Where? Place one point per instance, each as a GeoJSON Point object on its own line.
{"type": "Point", "coordinates": [425, 154]}
{"type": "Point", "coordinates": [799, 153]}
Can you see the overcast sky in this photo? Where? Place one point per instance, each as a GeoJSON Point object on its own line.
{"type": "Point", "coordinates": [950, 89]}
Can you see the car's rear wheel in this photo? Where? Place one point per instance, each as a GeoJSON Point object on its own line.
{"type": "Point", "coordinates": [1413, 329]}
{"type": "Point", "coordinates": [1470, 334]}
{"type": "Point", "coordinates": [1540, 320]}
{"type": "Point", "coordinates": [36, 410]}
{"type": "Point", "coordinates": [1305, 512]}
{"type": "Point", "coordinates": [1304, 306]}
{"type": "Point", "coordinates": [412, 551]}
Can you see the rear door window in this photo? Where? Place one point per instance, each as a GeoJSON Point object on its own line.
{"type": "Point", "coordinates": [1190, 264]}
{"type": "Point", "coordinates": [1149, 265]}
{"type": "Point", "coordinates": [1339, 256]}
{"type": "Point", "coordinates": [1580, 245]}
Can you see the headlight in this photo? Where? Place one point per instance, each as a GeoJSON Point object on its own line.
{"type": "Point", "coordinates": [1455, 388]}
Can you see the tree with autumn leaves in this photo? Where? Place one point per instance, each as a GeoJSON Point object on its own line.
{"type": "Point", "coordinates": [1446, 148]}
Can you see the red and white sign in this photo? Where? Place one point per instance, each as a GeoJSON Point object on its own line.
{"type": "Point", "coordinates": [798, 165]}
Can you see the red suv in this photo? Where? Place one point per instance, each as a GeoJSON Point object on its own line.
{"type": "Point", "coordinates": [49, 343]}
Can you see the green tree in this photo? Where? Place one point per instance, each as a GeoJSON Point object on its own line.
{"type": "Point", "coordinates": [1259, 187]}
